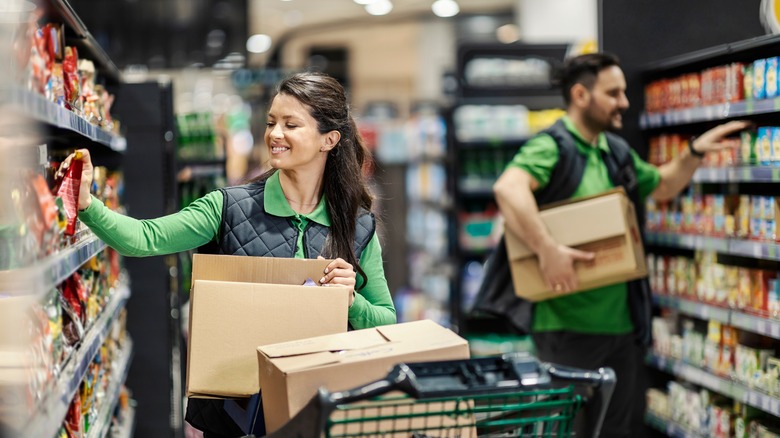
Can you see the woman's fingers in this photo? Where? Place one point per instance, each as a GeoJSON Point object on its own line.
{"type": "Point", "coordinates": [339, 272]}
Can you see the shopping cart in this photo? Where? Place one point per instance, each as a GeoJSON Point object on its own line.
{"type": "Point", "coordinates": [514, 395]}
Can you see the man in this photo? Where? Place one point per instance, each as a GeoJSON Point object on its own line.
{"type": "Point", "coordinates": [593, 328]}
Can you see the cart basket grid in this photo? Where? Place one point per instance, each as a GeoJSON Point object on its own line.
{"type": "Point", "coordinates": [513, 395]}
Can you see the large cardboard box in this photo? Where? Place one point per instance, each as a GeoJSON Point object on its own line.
{"type": "Point", "coordinates": [238, 303]}
{"type": "Point", "coordinates": [292, 372]}
{"type": "Point", "coordinates": [604, 224]}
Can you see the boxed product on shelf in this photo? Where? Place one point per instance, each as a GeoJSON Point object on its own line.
{"type": "Point", "coordinates": [479, 230]}
{"type": "Point", "coordinates": [605, 224]}
{"type": "Point", "coordinates": [291, 372]}
{"type": "Point", "coordinates": [238, 303]}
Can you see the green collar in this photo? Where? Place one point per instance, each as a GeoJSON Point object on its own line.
{"type": "Point", "coordinates": [601, 140]}
{"type": "Point", "coordinates": [276, 204]}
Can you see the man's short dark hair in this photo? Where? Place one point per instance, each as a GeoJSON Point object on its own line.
{"type": "Point", "coordinates": [583, 70]}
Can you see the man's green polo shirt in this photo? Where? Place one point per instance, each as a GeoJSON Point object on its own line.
{"type": "Point", "coordinates": [601, 310]}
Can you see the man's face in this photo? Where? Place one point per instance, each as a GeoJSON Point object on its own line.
{"type": "Point", "coordinates": [607, 100]}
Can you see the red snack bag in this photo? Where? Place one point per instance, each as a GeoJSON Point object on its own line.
{"type": "Point", "coordinates": [70, 73]}
{"type": "Point", "coordinates": [75, 294]}
{"type": "Point", "coordinates": [74, 421]}
{"type": "Point", "coordinates": [45, 200]}
{"type": "Point", "coordinates": [69, 192]}
{"type": "Point", "coordinates": [55, 39]}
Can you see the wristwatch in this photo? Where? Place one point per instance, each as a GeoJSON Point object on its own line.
{"type": "Point", "coordinates": [694, 152]}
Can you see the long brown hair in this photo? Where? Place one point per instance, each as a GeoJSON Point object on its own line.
{"type": "Point", "coordinates": [344, 184]}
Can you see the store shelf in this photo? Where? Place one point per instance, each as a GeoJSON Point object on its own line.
{"type": "Point", "coordinates": [492, 144]}
{"type": "Point", "coordinates": [205, 170]}
{"type": "Point", "coordinates": [769, 327]}
{"type": "Point", "coordinates": [201, 162]}
{"type": "Point", "coordinates": [478, 254]}
{"type": "Point", "coordinates": [503, 96]}
{"type": "Point", "coordinates": [756, 324]}
{"type": "Point", "coordinates": [739, 51]}
{"type": "Point", "coordinates": [50, 272]}
{"type": "Point", "coordinates": [668, 427]}
{"type": "Point", "coordinates": [441, 205]}
{"type": "Point", "coordinates": [61, 11]}
{"type": "Point", "coordinates": [729, 388]}
{"type": "Point", "coordinates": [63, 264]}
{"type": "Point", "coordinates": [708, 113]}
{"type": "Point", "coordinates": [49, 414]}
{"type": "Point", "coordinates": [126, 429]}
{"type": "Point", "coordinates": [694, 308]}
{"type": "Point", "coordinates": [482, 192]}
{"type": "Point", "coordinates": [737, 175]}
{"type": "Point", "coordinates": [61, 119]}
{"type": "Point", "coordinates": [736, 247]}
{"type": "Point", "coordinates": [119, 370]}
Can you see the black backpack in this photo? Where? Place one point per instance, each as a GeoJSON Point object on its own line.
{"type": "Point", "coordinates": [496, 295]}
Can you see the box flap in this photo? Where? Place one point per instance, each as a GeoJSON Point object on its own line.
{"type": "Point", "coordinates": [412, 330]}
{"type": "Point", "coordinates": [577, 223]}
{"type": "Point", "coordinates": [275, 270]}
{"type": "Point", "coordinates": [360, 345]}
{"type": "Point", "coordinates": [343, 341]}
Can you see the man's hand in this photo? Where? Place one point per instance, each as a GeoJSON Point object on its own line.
{"type": "Point", "coordinates": [715, 139]}
{"type": "Point", "coordinates": [557, 266]}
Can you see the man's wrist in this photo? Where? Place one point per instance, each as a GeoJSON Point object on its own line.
{"type": "Point", "coordinates": [693, 150]}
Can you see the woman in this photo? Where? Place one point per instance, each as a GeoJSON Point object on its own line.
{"type": "Point", "coordinates": [314, 202]}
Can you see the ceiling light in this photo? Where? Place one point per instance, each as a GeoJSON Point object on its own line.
{"type": "Point", "coordinates": [379, 7]}
{"type": "Point", "coordinates": [258, 43]}
{"type": "Point", "coordinates": [364, 2]}
{"type": "Point", "coordinates": [445, 8]}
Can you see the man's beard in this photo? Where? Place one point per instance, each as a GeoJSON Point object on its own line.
{"type": "Point", "coordinates": [601, 125]}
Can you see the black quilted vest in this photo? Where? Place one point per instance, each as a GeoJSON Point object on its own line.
{"type": "Point", "coordinates": [248, 230]}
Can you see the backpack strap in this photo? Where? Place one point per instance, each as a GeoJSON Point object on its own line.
{"type": "Point", "coordinates": [622, 171]}
{"type": "Point", "coordinates": [567, 172]}
{"type": "Point", "coordinates": [620, 166]}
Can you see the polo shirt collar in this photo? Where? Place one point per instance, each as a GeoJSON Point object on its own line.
{"type": "Point", "coordinates": [601, 140]}
{"type": "Point", "coordinates": [276, 204]}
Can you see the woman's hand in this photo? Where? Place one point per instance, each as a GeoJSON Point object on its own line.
{"type": "Point", "coordinates": [340, 273]}
{"type": "Point", "coordinates": [86, 176]}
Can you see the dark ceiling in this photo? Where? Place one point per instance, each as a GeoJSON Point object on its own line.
{"type": "Point", "coordinates": [166, 33]}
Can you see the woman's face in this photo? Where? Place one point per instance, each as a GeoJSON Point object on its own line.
{"type": "Point", "coordinates": [291, 134]}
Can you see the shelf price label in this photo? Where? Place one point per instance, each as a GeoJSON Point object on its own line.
{"type": "Point", "coordinates": [747, 174]}
{"type": "Point", "coordinates": [757, 250]}
{"type": "Point", "coordinates": [775, 175]}
{"type": "Point", "coordinates": [774, 329]}
{"type": "Point", "coordinates": [762, 326]}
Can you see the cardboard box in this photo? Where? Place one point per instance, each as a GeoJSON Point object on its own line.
{"type": "Point", "coordinates": [292, 372]}
{"type": "Point", "coordinates": [604, 224]}
{"type": "Point", "coordinates": [238, 303]}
